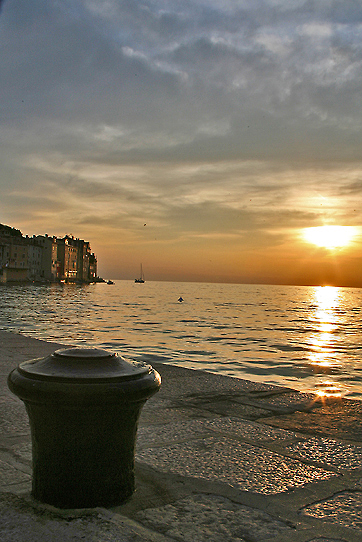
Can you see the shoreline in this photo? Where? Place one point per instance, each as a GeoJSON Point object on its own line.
{"type": "Point", "coordinates": [212, 451]}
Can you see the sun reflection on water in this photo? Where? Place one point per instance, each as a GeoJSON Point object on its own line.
{"type": "Point", "coordinates": [323, 342]}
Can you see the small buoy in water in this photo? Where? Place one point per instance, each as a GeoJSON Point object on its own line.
{"type": "Point", "coordinates": [180, 300]}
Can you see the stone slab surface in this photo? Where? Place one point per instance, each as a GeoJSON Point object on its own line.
{"type": "Point", "coordinates": [218, 519]}
{"type": "Point", "coordinates": [340, 419]}
{"type": "Point", "coordinates": [13, 417]}
{"type": "Point", "coordinates": [343, 509]}
{"type": "Point", "coordinates": [289, 401]}
{"type": "Point", "coordinates": [11, 475]}
{"type": "Point", "coordinates": [162, 412]}
{"type": "Point", "coordinates": [328, 452]}
{"type": "Point", "coordinates": [222, 406]}
{"type": "Point", "coordinates": [188, 429]}
{"type": "Point", "coordinates": [21, 449]}
{"type": "Point", "coordinates": [249, 430]}
{"type": "Point", "coordinates": [22, 522]}
{"type": "Point", "coordinates": [247, 467]}
{"type": "Point", "coordinates": [204, 383]}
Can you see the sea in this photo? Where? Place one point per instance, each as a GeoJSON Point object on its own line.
{"type": "Point", "coordinates": [305, 338]}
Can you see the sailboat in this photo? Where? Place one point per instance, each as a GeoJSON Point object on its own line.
{"type": "Point", "coordinates": [141, 278]}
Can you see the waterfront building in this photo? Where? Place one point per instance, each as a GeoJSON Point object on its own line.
{"type": "Point", "coordinates": [77, 262]}
{"type": "Point", "coordinates": [45, 258]}
{"type": "Point", "coordinates": [14, 260]}
{"type": "Point", "coordinates": [49, 262]}
{"type": "Point", "coordinates": [93, 276]}
{"type": "Point", "coordinates": [84, 251]}
{"type": "Point", "coordinates": [35, 253]}
{"type": "Point", "coordinates": [67, 257]}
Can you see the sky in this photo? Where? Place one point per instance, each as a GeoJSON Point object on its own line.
{"type": "Point", "coordinates": [197, 137]}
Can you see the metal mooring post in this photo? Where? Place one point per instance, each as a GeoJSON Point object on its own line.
{"type": "Point", "coordinates": [83, 406]}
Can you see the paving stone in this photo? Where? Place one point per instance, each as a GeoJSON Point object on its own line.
{"type": "Point", "coordinates": [20, 522]}
{"type": "Point", "coordinates": [180, 431]}
{"type": "Point", "coordinates": [227, 408]}
{"type": "Point", "coordinates": [176, 381]}
{"type": "Point", "coordinates": [164, 414]}
{"type": "Point", "coordinates": [248, 429]}
{"type": "Point", "coordinates": [209, 518]}
{"type": "Point", "coordinates": [156, 403]}
{"type": "Point", "coordinates": [10, 475]}
{"type": "Point", "coordinates": [13, 416]}
{"type": "Point", "coordinates": [22, 450]}
{"type": "Point", "coordinates": [340, 419]}
{"type": "Point", "coordinates": [176, 432]}
{"type": "Point", "coordinates": [294, 401]}
{"type": "Point", "coordinates": [329, 452]}
{"type": "Point", "coordinates": [241, 465]}
{"type": "Point", "coordinates": [343, 509]}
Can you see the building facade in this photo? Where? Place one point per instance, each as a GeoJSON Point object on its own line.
{"type": "Point", "coordinates": [45, 258]}
{"type": "Point", "coordinates": [49, 265]}
{"type": "Point", "coordinates": [35, 254]}
{"type": "Point", "coordinates": [13, 255]}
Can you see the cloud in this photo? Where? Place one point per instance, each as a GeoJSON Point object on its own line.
{"type": "Point", "coordinates": [295, 75]}
{"type": "Point", "coordinates": [205, 119]}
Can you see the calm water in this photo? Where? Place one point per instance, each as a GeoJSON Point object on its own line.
{"type": "Point", "coordinates": [308, 338]}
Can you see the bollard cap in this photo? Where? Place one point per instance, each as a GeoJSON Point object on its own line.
{"type": "Point", "coordinates": [83, 365]}
{"type": "Point", "coordinates": [83, 378]}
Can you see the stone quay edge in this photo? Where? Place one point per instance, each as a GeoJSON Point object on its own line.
{"type": "Point", "coordinates": [217, 459]}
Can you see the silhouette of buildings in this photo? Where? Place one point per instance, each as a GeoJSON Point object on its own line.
{"type": "Point", "coordinates": [45, 258]}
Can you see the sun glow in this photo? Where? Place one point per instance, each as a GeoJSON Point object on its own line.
{"type": "Point", "coordinates": [324, 341]}
{"type": "Point", "coordinates": [330, 236]}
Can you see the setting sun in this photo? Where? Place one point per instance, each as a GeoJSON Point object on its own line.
{"type": "Point", "coordinates": [330, 236]}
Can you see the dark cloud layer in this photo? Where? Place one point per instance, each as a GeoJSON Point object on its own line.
{"type": "Point", "coordinates": [183, 68]}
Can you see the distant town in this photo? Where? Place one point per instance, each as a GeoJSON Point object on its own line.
{"type": "Point", "coordinates": [44, 258]}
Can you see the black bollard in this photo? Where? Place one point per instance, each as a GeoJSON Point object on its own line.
{"type": "Point", "coordinates": [83, 406]}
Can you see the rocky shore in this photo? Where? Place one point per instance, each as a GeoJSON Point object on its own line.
{"type": "Point", "coordinates": [218, 459]}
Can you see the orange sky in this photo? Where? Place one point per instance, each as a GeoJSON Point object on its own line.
{"type": "Point", "coordinates": [293, 262]}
